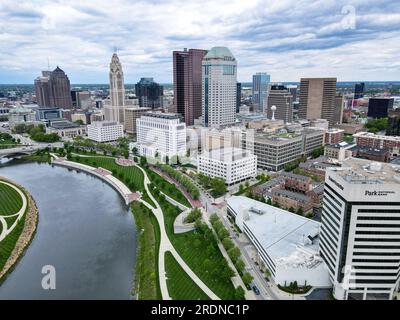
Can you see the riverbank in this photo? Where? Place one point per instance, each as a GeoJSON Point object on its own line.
{"type": "Point", "coordinates": [29, 221]}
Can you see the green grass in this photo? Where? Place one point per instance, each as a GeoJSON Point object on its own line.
{"type": "Point", "coordinates": [180, 285]}
{"type": "Point", "coordinates": [45, 157]}
{"type": "Point", "coordinates": [10, 203]}
{"type": "Point", "coordinates": [146, 277]}
{"type": "Point", "coordinates": [128, 175]}
{"type": "Point", "coordinates": [10, 200]}
{"type": "Point", "coordinates": [168, 188]}
{"type": "Point", "coordinates": [131, 176]}
{"type": "Point", "coordinates": [200, 253]}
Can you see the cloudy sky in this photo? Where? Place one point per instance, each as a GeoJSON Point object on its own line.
{"type": "Point", "coordinates": [352, 40]}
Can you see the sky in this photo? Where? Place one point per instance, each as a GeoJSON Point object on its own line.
{"type": "Point", "coordinates": [352, 40]}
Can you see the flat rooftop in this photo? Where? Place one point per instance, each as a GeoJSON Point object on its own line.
{"type": "Point", "coordinates": [368, 172]}
{"type": "Point", "coordinates": [284, 235]}
{"type": "Point", "coordinates": [170, 116]}
{"type": "Point", "coordinates": [227, 154]}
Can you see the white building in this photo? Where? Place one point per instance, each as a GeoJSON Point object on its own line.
{"type": "Point", "coordinates": [219, 87]}
{"type": "Point", "coordinates": [161, 135]}
{"type": "Point", "coordinates": [20, 114]}
{"type": "Point", "coordinates": [340, 151]}
{"type": "Point", "coordinates": [360, 234]}
{"type": "Point", "coordinates": [114, 110]}
{"type": "Point", "coordinates": [231, 164]}
{"type": "Point", "coordinates": [66, 129]}
{"type": "Point", "coordinates": [104, 131]}
{"type": "Point", "coordinates": [287, 244]}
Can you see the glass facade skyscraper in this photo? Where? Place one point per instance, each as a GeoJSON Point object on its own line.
{"type": "Point", "coordinates": [261, 82]}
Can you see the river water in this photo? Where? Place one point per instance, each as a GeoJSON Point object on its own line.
{"type": "Point", "coordinates": [85, 231]}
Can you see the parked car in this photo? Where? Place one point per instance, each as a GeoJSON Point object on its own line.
{"type": "Point", "coordinates": [256, 291]}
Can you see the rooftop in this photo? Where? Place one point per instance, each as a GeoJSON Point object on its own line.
{"type": "Point", "coordinates": [64, 125]}
{"type": "Point", "coordinates": [284, 235]}
{"type": "Point", "coordinates": [360, 171]}
{"type": "Point", "coordinates": [375, 136]}
{"type": "Point", "coordinates": [159, 115]}
{"type": "Point", "coordinates": [227, 154]}
{"type": "Point", "coordinates": [219, 53]}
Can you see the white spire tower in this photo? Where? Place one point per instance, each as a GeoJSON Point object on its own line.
{"type": "Point", "coordinates": [117, 91]}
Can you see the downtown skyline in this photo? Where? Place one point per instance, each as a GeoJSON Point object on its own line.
{"type": "Point", "coordinates": [315, 38]}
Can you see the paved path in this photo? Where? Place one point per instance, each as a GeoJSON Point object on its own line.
{"type": "Point", "coordinates": [166, 245]}
{"type": "Point", "coordinates": [5, 231]}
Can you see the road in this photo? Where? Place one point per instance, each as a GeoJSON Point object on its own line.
{"type": "Point", "coordinates": [266, 292]}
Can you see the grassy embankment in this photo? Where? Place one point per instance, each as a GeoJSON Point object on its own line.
{"type": "Point", "coordinates": [10, 203]}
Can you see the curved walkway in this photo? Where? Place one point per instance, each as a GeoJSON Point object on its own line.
{"type": "Point", "coordinates": [102, 174]}
{"type": "Point", "coordinates": [6, 230]}
{"type": "Point", "coordinates": [166, 245]}
{"type": "Point", "coordinates": [26, 236]}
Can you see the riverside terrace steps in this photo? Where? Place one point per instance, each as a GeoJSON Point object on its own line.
{"type": "Point", "coordinates": [103, 174]}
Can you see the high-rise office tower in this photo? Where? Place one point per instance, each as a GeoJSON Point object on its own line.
{"type": "Point", "coordinates": [43, 89]}
{"type": "Point", "coordinates": [293, 90]}
{"type": "Point", "coordinates": [53, 89]}
{"type": "Point", "coordinates": [238, 96]}
{"type": "Point", "coordinates": [317, 99]}
{"type": "Point", "coordinates": [360, 230]}
{"type": "Point", "coordinates": [187, 83]}
{"type": "Point", "coordinates": [393, 123]}
{"type": "Point", "coordinates": [60, 89]}
{"type": "Point", "coordinates": [338, 112]}
{"type": "Point", "coordinates": [219, 82]}
{"type": "Point", "coordinates": [379, 107]}
{"type": "Point", "coordinates": [280, 97]}
{"type": "Point", "coordinates": [115, 110]}
{"type": "Point", "coordinates": [359, 90]}
{"type": "Point", "coordinates": [261, 82]}
{"type": "Point", "coordinates": [149, 93]}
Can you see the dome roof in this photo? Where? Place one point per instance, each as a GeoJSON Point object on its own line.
{"type": "Point", "coordinates": [20, 109]}
{"type": "Point", "coordinates": [219, 53]}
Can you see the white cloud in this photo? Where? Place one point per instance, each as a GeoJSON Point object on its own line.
{"type": "Point", "coordinates": [286, 38]}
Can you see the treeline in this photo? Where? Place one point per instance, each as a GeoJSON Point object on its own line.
{"type": "Point", "coordinates": [185, 182]}
{"type": "Point", "coordinates": [232, 250]}
{"type": "Point", "coordinates": [37, 133]}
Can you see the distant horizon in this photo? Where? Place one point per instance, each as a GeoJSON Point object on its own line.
{"type": "Point", "coordinates": [245, 82]}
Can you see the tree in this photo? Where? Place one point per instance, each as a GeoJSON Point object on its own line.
{"type": "Point", "coordinates": [135, 151]}
{"type": "Point", "coordinates": [247, 278]}
{"type": "Point", "coordinates": [227, 243]}
{"type": "Point", "coordinates": [240, 294]}
{"type": "Point", "coordinates": [317, 152]}
{"type": "Point", "coordinates": [218, 187]}
{"type": "Point", "coordinates": [291, 209]}
{"type": "Point", "coordinates": [240, 265]}
{"type": "Point", "coordinates": [300, 211]}
{"type": "Point", "coordinates": [234, 254]}
{"type": "Point", "coordinates": [223, 233]}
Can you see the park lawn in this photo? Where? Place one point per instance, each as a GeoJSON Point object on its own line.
{"type": "Point", "coordinates": [195, 249]}
{"type": "Point", "coordinates": [8, 244]}
{"type": "Point", "coordinates": [10, 203]}
{"type": "Point", "coordinates": [146, 274]}
{"type": "Point", "coordinates": [128, 175]}
{"type": "Point", "coordinates": [131, 176]}
{"type": "Point", "coordinates": [10, 200]}
{"type": "Point", "coordinates": [168, 188]}
{"type": "Point", "coordinates": [180, 285]}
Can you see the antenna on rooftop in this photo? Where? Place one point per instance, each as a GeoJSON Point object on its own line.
{"type": "Point", "coordinates": [48, 64]}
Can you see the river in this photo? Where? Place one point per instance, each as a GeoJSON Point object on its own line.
{"type": "Point", "coordinates": [85, 231]}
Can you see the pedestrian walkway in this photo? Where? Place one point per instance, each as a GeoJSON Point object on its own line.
{"type": "Point", "coordinates": [166, 245]}
{"type": "Point", "coordinates": [6, 229]}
